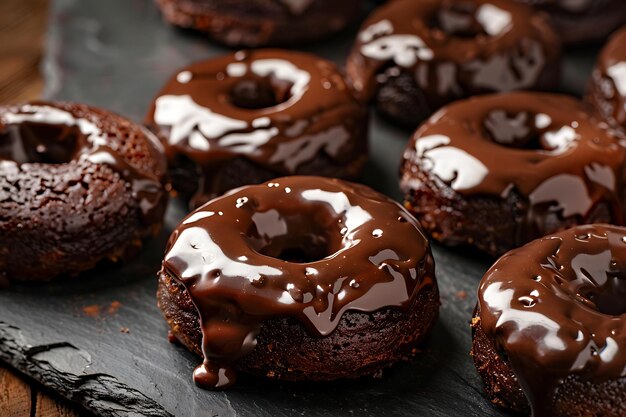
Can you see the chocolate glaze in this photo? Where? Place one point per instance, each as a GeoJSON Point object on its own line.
{"type": "Point", "coordinates": [307, 247]}
{"type": "Point", "coordinates": [277, 109]}
{"type": "Point", "coordinates": [544, 147]}
{"type": "Point", "coordinates": [454, 49]}
{"type": "Point", "coordinates": [556, 307]}
{"type": "Point", "coordinates": [607, 91]}
{"type": "Point", "coordinates": [43, 133]}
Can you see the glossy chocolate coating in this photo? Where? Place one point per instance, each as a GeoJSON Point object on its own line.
{"type": "Point", "coordinates": [45, 133]}
{"type": "Point", "coordinates": [544, 148]}
{"type": "Point", "coordinates": [555, 308]}
{"type": "Point", "coordinates": [311, 248]}
{"type": "Point", "coordinates": [277, 110]}
{"type": "Point", "coordinates": [607, 90]}
{"type": "Point", "coordinates": [454, 49]}
{"type": "Point", "coordinates": [581, 21]}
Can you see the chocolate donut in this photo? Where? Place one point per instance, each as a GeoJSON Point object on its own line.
{"type": "Point", "coordinates": [607, 90]}
{"type": "Point", "coordinates": [254, 23]}
{"type": "Point", "coordinates": [251, 116]}
{"type": "Point", "coordinates": [412, 57]}
{"type": "Point", "coordinates": [77, 185]}
{"type": "Point", "coordinates": [581, 21]}
{"type": "Point", "coordinates": [550, 327]}
{"type": "Point", "coordinates": [500, 170]}
{"type": "Point", "coordinates": [300, 278]}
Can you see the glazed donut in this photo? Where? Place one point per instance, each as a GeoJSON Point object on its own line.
{"type": "Point", "coordinates": [254, 23]}
{"type": "Point", "coordinates": [300, 278]}
{"type": "Point", "coordinates": [77, 185]}
{"type": "Point", "coordinates": [412, 57]}
{"type": "Point", "coordinates": [607, 90]}
{"type": "Point", "coordinates": [500, 170]}
{"type": "Point", "coordinates": [581, 21]}
{"type": "Point", "coordinates": [549, 333]}
{"type": "Point", "coordinates": [251, 116]}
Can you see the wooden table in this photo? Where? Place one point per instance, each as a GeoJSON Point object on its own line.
{"type": "Point", "coordinates": [22, 29]}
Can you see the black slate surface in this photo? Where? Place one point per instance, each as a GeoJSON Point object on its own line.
{"type": "Point", "coordinates": [68, 335]}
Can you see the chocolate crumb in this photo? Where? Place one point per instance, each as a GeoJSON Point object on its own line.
{"type": "Point", "coordinates": [92, 310]}
{"type": "Point", "coordinates": [114, 307]}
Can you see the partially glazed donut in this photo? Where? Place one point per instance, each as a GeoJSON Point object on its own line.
{"type": "Point", "coordinates": [412, 57]}
{"type": "Point", "coordinates": [607, 90]}
{"type": "Point", "coordinates": [582, 21]}
{"type": "Point", "coordinates": [550, 326]}
{"type": "Point", "coordinates": [251, 116]}
{"type": "Point", "coordinates": [77, 185]}
{"type": "Point", "coordinates": [500, 170]}
{"type": "Point", "coordinates": [300, 278]}
{"type": "Point", "coordinates": [254, 23]}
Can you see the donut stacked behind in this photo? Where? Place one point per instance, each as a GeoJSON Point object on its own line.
{"type": "Point", "coordinates": [77, 185]}
{"type": "Point", "coordinates": [607, 90]}
{"type": "Point", "coordinates": [500, 170]}
{"type": "Point", "coordinates": [300, 278]}
{"type": "Point", "coordinates": [581, 21]}
{"type": "Point", "coordinates": [254, 23]}
{"type": "Point", "coordinates": [251, 116]}
{"type": "Point", "coordinates": [550, 326]}
{"type": "Point", "coordinates": [412, 57]}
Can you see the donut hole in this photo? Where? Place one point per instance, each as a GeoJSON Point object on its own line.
{"type": "Point", "coordinates": [609, 298]}
{"type": "Point", "coordinates": [260, 92]}
{"type": "Point", "coordinates": [296, 238]}
{"type": "Point", "coordinates": [457, 20]}
{"type": "Point", "coordinates": [515, 130]}
{"type": "Point", "coordinates": [41, 143]}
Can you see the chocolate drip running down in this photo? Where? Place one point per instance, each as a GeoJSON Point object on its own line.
{"type": "Point", "coordinates": [454, 49]}
{"type": "Point", "coordinates": [544, 148]}
{"type": "Point", "coordinates": [304, 247]}
{"type": "Point", "coordinates": [556, 307]}
{"type": "Point", "coordinates": [274, 109]}
{"type": "Point", "coordinates": [41, 133]}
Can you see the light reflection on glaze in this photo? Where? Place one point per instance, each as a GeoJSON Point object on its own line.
{"type": "Point", "coordinates": [493, 19]}
{"type": "Point", "coordinates": [218, 254]}
{"type": "Point", "coordinates": [450, 164]}
{"type": "Point", "coordinates": [618, 74]}
{"type": "Point", "coordinates": [403, 50]}
{"type": "Point", "coordinates": [562, 331]}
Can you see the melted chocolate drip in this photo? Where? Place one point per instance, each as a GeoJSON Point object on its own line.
{"type": "Point", "coordinates": [455, 49]}
{"type": "Point", "coordinates": [41, 133]}
{"type": "Point", "coordinates": [543, 147]}
{"type": "Point", "coordinates": [556, 307]}
{"type": "Point", "coordinates": [277, 109]}
{"type": "Point", "coordinates": [355, 250]}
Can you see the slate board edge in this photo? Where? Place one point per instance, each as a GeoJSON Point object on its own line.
{"type": "Point", "coordinates": [88, 390]}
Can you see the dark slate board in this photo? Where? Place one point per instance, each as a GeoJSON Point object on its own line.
{"type": "Point", "coordinates": [116, 54]}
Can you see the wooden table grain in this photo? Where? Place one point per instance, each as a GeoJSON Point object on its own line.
{"type": "Point", "coordinates": [22, 31]}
